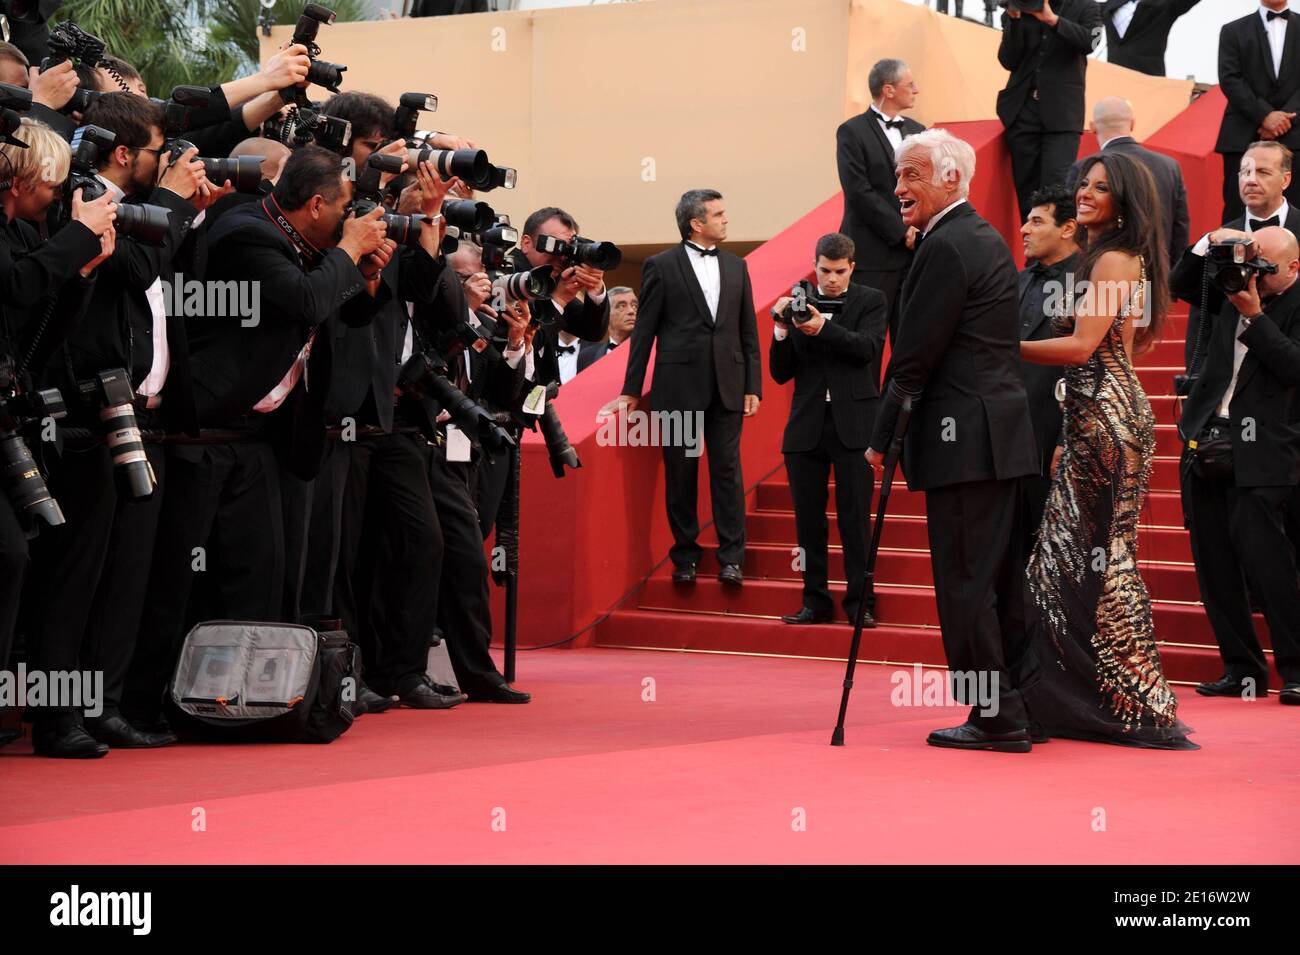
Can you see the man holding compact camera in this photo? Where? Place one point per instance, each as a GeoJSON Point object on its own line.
{"type": "Point", "coordinates": [828, 338]}
{"type": "Point", "coordinates": [1242, 459]}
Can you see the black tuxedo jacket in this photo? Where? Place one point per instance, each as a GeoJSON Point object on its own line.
{"type": "Point", "coordinates": [1142, 47]}
{"type": "Point", "coordinates": [1052, 60]}
{"type": "Point", "coordinates": [581, 317]}
{"type": "Point", "coordinates": [32, 272]}
{"type": "Point", "coordinates": [1185, 283]}
{"type": "Point", "coordinates": [1170, 189]}
{"type": "Point", "coordinates": [235, 366]}
{"type": "Point", "coordinates": [1252, 88]}
{"type": "Point", "coordinates": [117, 331]}
{"type": "Point", "coordinates": [1267, 391]}
{"type": "Point", "coordinates": [696, 356]}
{"type": "Point", "coordinates": [871, 218]}
{"type": "Point", "coordinates": [591, 352]}
{"type": "Point", "coordinates": [843, 358]}
{"type": "Point", "coordinates": [959, 349]}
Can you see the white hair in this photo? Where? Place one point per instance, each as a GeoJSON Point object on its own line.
{"type": "Point", "coordinates": [952, 158]}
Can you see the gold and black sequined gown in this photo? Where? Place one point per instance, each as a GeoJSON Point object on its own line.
{"type": "Point", "coordinates": [1095, 668]}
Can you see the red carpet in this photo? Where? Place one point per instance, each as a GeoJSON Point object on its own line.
{"type": "Point", "coordinates": [713, 770]}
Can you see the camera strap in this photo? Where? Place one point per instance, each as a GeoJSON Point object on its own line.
{"type": "Point", "coordinates": [311, 255]}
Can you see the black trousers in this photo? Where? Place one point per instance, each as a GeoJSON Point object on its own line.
{"type": "Point", "coordinates": [313, 515]}
{"type": "Point", "coordinates": [221, 531]}
{"type": "Point", "coordinates": [1239, 540]}
{"type": "Point", "coordinates": [1038, 158]}
{"type": "Point", "coordinates": [390, 557]}
{"type": "Point", "coordinates": [721, 432]}
{"type": "Point", "coordinates": [1233, 207]}
{"type": "Point", "coordinates": [809, 472]}
{"type": "Point", "coordinates": [464, 613]}
{"type": "Point", "coordinates": [979, 585]}
{"type": "Point", "coordinates": [89, 575]}
{"type": "Point", "coordinates": [888, 283]}
{"type": "Point", "coordinates": [13, 571]}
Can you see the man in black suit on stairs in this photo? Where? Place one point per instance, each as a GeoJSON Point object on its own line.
{"type": "Point", "coordinates": [1137, 31]}
{"type": "Point", "coordinates": [970, 439]}
{"type": "Point", "coordinates": [833, 355]}
{"type": "Point", "coordinates": [1042, 104]}
{"type": "Point", "coordinates": [864, 152]}
{"type": "Point", "coordinates": [698, 306]}
{"type": "Point", "coordinates": [1259, 73]}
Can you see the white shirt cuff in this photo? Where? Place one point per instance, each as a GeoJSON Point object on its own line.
{"type": "Point", "coordinates": [512, 355]}
{"type": "Point", "coordinates": [1200, 248]}
{"type": "Point", "coordinates": [780, 331]}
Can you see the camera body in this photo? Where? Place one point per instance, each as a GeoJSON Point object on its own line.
{"type": "Point", "coordinates": [1229, 270]}
{"type": "Point", "coordinates": [140, 221]}
{"type": "Point", "coordinates": [404, 230]}
{"type": "Point", "coordinates": [302, 126]}
{"type": "Point", "coordinates": [580, 251]}
{"type": "Point", "coordinates": [804, 293]}
{"type": "Point", "coordinates": [319, 72]}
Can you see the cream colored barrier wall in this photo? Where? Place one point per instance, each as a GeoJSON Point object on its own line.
{"type": "Point", "coordinates": [612, 111]}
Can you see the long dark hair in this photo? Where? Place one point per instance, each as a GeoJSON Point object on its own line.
{"type": "Point", "coordinates": [1139, 229]}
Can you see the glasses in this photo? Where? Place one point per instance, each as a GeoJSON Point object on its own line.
{"type": "Point", "coordinates": [157, 151]}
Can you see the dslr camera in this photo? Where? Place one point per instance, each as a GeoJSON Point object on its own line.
{"type": "Point", "coordinates": [1228, 269]}
{"type": "Point", "coordinates": [579, 251]}
{"type": "Point", "coordinates": [140, 221]}
{"type": "Point", "coordinates": [244, 172]}
{"type": "Point", "coordinates": [804, 293]}
{"type": "Point", "coordinates": [23, 482]}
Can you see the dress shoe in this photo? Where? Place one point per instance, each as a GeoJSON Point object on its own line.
{"type": "Point", "coordinates": [502, 693]}
{"type": "Point", "coordinates": [1037, 734]}
{"type": "Point", "coordinates": [368, 701]}
{"type": "Point", "coordinates": [119, 734]}
{"type": "Point", "coordinates": [730, 574]}
{"type": "Point", "coordinates": [806, 615]}
{"type": "Point", "coordinates": [684, 574]}
{"type": "Point", "coordinates": [1290, 694]}
{"type": "Point", "coordinates": [868, 621]}
{"type": "Point", "coordinates": [71, 743]}
{"type": "Point", "coordinates": [1231, 686]}
{"type": "Point", "coordinates": [423, 696]}
{"type": "Point", "coordinates": [968, 736]}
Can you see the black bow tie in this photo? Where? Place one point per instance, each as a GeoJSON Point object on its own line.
{"type": "Point", "coordinates": [712, 251]}
{"type": "Point", "coordinates": [1278, 15]}
{"type": "Point", "coordinates": [1257, 224]}
{"type": "Point", "coordinates": [891, 123]}
{"type": "Point", "coordinates": [565, 349]}
{"type": "Point", "coordinates": [611, 346]}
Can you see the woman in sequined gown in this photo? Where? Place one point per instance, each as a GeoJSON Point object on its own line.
{"type": "Point", "coordinates": [1092, 668]}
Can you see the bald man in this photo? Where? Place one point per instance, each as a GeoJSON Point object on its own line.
{"type": "Point", "coordinates": [1249, 393]}
{"type": "Point", "coordinates": [273, 156]}
{"type": "Point", "coordinates": [1113, 122]}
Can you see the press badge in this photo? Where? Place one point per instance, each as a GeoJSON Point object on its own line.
{"type": "Point", "coordinates": [458, 446]}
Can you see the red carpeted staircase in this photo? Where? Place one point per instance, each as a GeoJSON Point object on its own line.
{"type": "Point", "coordinates": [710, 617]}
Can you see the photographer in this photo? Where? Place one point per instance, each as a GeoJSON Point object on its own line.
{"type": "Point", "coordinates": [90, 578]}
{"type": "Point", "coordinates": [1042, 104]}
{"type": "Point", "coordinates": [1242, 462]}
{"type": "Point", "coordinates": [830, 344]}
{"type": "Point", "coordinates": [305, 259]}
{"type": "Point", "coordinates": [579, 305]}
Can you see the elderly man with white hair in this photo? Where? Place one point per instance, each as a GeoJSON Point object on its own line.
{"type": "Point", "coordinates": [969, 439]}
{"type": "Point", "coordinates": [1113, 122]}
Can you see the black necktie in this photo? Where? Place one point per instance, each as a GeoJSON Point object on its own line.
{"type": "Point", "coordinates": [1257, 224]}
{"type": "Point", "coordinates": [713, 251]}
{"type": "Point", "coordinates": [1278, 15]}
{"type": "Point", "coordinates": [565, 349]}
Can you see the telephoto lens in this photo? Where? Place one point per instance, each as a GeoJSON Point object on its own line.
{"type": "Point", "coordinates": [470, 165]}
{"type": "Point", "coordinates": [144, 223]}
{"type": "Point", "coordinates": [468, 215]}
{"type": "Point", "coordinates": [243, 172]}
{"type": "Point", "coordinates": [525, 286]}
{"type": "Point", "coordinates": [132, 471]}
{"type": "Point", "coordinates": [404, 230]}
{"type": "Point", "coordinates": [425, 376]}
{"type": "Point", "coordinates": [25, 487]}
{"type": "Point", "coordinates": [561, 452]}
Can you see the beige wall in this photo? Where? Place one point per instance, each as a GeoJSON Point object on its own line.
{"type": "Point", "coordinates": [613, 111]}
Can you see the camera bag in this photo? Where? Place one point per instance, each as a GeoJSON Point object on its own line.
{"type": "Point", "coordinates": [242, 681]}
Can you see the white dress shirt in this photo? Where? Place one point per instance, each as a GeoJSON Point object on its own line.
{"type": "Point", "coordinates": [1238, 356]}
{"type": "Point", "coordinates": [894, 135]}
{"type": "Point", "coordinates": [780, 331]}
{"type": "Point", "coordinates": [1124, 16]}
{"type": "Point", "coordinates": [707, 273]}
{"type": "Point", "coordinates": [275, 397]}
{"type": "Point", "coordinates": [1282, 212]}
{"type": "Point", "coordinates": [568, 361]}
{"type": "Point", "coordinates": [1276, 30]}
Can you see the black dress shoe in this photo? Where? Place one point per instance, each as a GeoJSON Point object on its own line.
{"type": "Point", "coordinates": [423, 696]}
{"type": "Point", "coordinates": [119, 734]}
{"type": "Point", "coordinates": [503, 693]}
{"type": "Point", "coordinates": [969, 736]}
{"type": "Point", "coordinates": [730, 574]}
{"type": "Point", "coordinates": [1290, 694]}
{"type": "Point", "coordinates": [684, 574]}
{"type": "Point", "coordinates": [1037, 734]}
{"type": "Point", "coordinates": [71, 743]}
{"type": "Point", "coordinates": [368, 701]}
{"type": "Point", "coordinates": [868, 621]}
{"type": "Point", "coordinates": [1231, 686]}
{"type": "Point", "coordinates": [806, 615]}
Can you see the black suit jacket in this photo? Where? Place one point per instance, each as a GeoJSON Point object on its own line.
{"type": "Point", "coordinates": [959, 349]}
{"type": "Point", "coordinates": [1170, 188]}
{"type": "Point", "coordinates": [1267, 391]}
{"type": "Point", "coordinates": [696, 356]}
{"type": "Point", "coordinates": [1185, 283]}
{"type": "Point", "coordinates": [843, 358]}
{"type": "Point", "coordinates": [591, 352]}
{"type": "Point", "coordinates": [1142, 47]}
{"type": "Point", "coordinates": [582, 317]}
{"type": "Point", "coordinates": [1053, 60]}
{"type": "Point", "coordinates": [1036, 324]}
{"type": "Point", "coordinates": [871, 218]}
{"type": "Point", "coordinates": [236, 366]}
{"type": "Point", "coordinates": [1247, 79]}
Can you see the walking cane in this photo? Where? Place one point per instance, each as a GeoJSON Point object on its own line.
{"type": "Point", "coordinates": [868, 592]}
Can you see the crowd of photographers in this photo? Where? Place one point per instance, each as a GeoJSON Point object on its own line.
{"type": "Point", "coordinates": [264, 359]}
